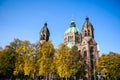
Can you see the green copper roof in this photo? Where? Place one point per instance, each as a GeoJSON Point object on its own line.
{"type": "Point", "coordinates": [72, 28]}
{"type": "Point", "coordinates": [70, 45]}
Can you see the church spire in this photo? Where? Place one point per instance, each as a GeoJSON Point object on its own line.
{"type": "Point", "coordinates": [44, 33]}
{"type": "Point", "coordinates": [87, 29]}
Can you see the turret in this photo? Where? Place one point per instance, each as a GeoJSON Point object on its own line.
{"type": "Point", "coordinates": [44, 33]}
{"type": "Point", "coordinates": [87, 29]}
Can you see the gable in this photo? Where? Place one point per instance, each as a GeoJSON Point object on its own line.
{"type": "Point", "coordinates": [92, 41]}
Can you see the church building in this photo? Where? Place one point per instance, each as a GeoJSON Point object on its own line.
{"type": "Point", "coordinates": [85, 42]}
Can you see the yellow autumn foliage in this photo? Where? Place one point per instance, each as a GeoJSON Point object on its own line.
{"type": "Point", "coordinates": [67, 61]}
{"type": "Point", "coordinates": [25, 60]}
{"type": "Point", "coordinates": [109, 65]}
{"type": "Point", "coordinates": [45, 56]}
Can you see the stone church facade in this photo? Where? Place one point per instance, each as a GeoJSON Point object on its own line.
{"type": "Point", "coordinates": [84, 41]}
{"type": "Point", "coordinates": [86, 44]}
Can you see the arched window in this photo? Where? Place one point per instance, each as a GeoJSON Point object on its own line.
{"type": "Point", "coordinates": [85, 54]}
{"type": "Point", "coordinates": [85, 59]}
{"type": "Point", "coordinates": [85, 33]}
{"type": "Point", "coordinates": [76, 39]}
{"type": "Point", "coordinates": [92, 57]}
{"type": "Point", "coordinates": [68, 38]}
{"type": "Point", "coordinates": [43, 37]}
{"type": "Point", "coordinates": [84, 51]}
{"type": "Point", "coordinates": [92, 34]}
{"type": "Point", "coordinates": [79, 51]}
{"type": "Point", "coordinates": [91, 50]}
{"type": "Point", "coordinates": [88, 32]}
{"type": "Point", "coordinates": [71, 38]}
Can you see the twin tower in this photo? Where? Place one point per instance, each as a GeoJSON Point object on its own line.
{"type": "Point", "coordinates": [85, 42]}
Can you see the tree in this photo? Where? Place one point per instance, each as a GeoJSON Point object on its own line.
{"type": "Point", "coordinates": [62, 61]}
{"type": "Point", "coordinates": [67, 61]}
{"type": "Point", "coordinates": [115, 66]}
{"type": "Point", "coordinates": [24, 65]}
{"type": "Point", "coordinates": [109, 65]}
{"type": "Point", "coordinates": [76, 62]}
{"type": "Point", "coordinates": [7, 59]}
{"type": "Point", "coordinates": [45, 60]}
{"type": "Point", "coordinates": [102, 65]}
{"type": "Point", "coordinates": [5, 66]}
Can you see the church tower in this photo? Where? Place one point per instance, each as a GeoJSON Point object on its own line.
{"type": "Point", "coordinates": [87, 30]}
{"type": "Point", "coordinates": [86, 44]}
{"type": "Point", "coordinates": [44, 34]}
{"type": "Point", "coordinates": [72, 35]}
{"type": "Point", "coordinates": [89, 49]}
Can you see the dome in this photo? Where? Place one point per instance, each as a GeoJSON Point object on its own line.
{"type": "Point", "coordinates": [87, 24]}
{"type": "Point", "coordinates": [72, 28]}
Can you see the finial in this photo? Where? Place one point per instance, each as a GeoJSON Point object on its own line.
{"type": "Point", "coordinates": [87, 19]}
{"type": "Point", "coordinates": [45, 24]}
{"type": "Point", "coordinates": [72, 23]}
{"type": "Point", "coordinates": [72, 19]}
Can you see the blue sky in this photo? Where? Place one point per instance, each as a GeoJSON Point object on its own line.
{"type": "Point", "coordinates": [23, 19]}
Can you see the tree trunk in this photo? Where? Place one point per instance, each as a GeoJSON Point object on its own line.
{"type": "Point", "coordinates": [66, 78]}
{"type": "Point", "coordinates": [75, 78]}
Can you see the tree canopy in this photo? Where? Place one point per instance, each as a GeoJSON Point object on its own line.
{"type": "Point", "coordinates": [21, 59]}
{"type": "Point", "coordinates": [109, 65]}
{"type": "Point", "coordinates": [67, 61]}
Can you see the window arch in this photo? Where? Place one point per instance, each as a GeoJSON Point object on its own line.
{"type": "Point", "coordinates": [84, 53]}
{"type": "Point", "coordinates": [43, 37]}
{"type": "Point", "coordinates": [88, 32]}
{"type": "Point", "coordinates": [91, 50]}
{"type": "Point", "coordinates": [79, 51]}
{"type": "Point", "coordinates": [68, 38]}
{"type": "Point", "coordinates": [71, 38]}
{"type": "Point", "coordinates": [85, 33]}
{"type": "Point", "coordinates": [85, 59]}
{"type": "Point", "coordinates": [92, 57]}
